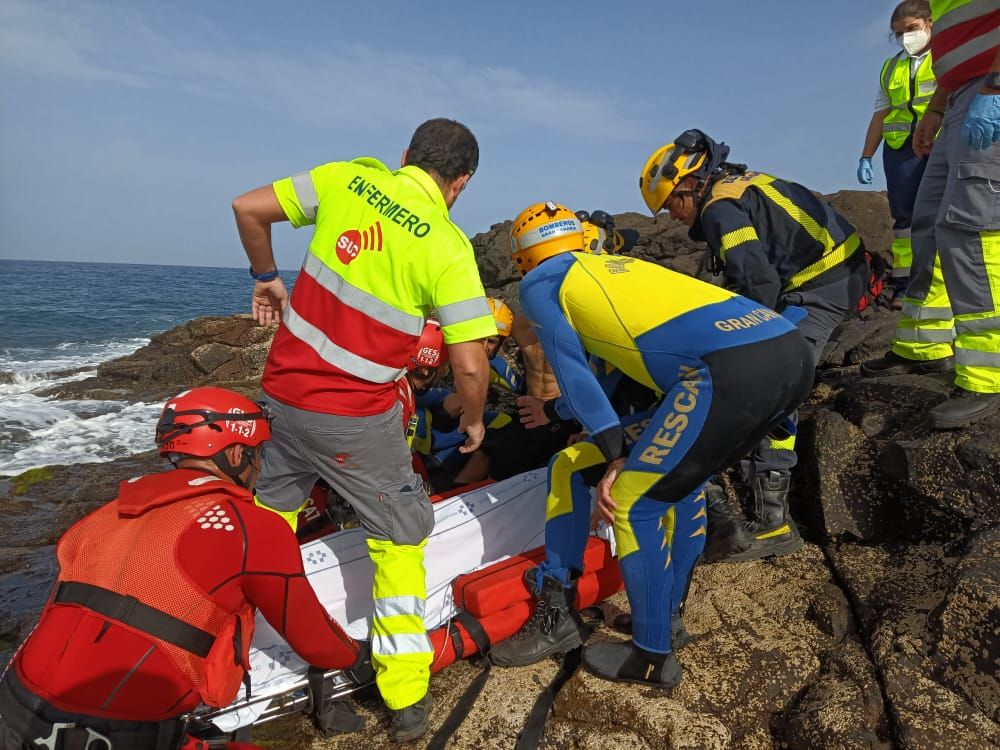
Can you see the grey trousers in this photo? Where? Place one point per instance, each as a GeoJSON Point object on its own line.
{"type": "Point", "coordinates": [365, 459]}
{"type": "Point", "coordinates": [957, 217]}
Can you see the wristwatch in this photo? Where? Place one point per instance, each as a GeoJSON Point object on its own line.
{"type": "Point", "coordinates": [266, 276]}
{"type": "Point", "coordinates": [992, 81]}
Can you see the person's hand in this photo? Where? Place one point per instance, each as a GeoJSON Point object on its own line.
{"type": "Point", "coordinates": [474, 434]}
{"type": "Point", "coordinates": [269, 300]}
{"type": "Point", "coordinates": [605, 505]}
{"type": "Point", "coordinates": [532, 411]}
{"type": "Point", "coordinates": [982, 123]}
{"type": "Point", "coordinates": [452, 404]}
{"type": "Point", "coordinates": [577, 437]}
{"type": "Point", "coordinates": [925, 133]}
{"type": "Point", "coordinates": [865, 170]}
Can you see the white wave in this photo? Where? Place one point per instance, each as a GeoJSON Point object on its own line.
{"type": "Point", "coordinates": [37, 431]}
{"type": "Point", "coordinates": [25, 361]}
{"type": "Point", "coordinates": [74, 432]}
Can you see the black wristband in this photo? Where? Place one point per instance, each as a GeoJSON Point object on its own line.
{"type": "Point", "coordinates": [266, 276]}
{"type": "Point", "coordinates": [611, 442]}
{"type": "Point", "coordinates": [550, 410]}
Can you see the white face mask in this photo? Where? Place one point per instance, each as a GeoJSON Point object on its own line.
{"type": "Point", "coordinates": [914, 42]}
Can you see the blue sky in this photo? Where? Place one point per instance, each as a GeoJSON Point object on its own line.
{"type": "Point", "coordinates": [128, 127]}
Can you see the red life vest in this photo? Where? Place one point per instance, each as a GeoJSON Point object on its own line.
{"type": "Point", "coordinates": [121, 562]}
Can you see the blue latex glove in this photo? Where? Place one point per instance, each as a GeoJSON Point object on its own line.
{"type": "Point", "coordinates": [865, 170]}
{"type": "Point", "coordinates": [982, 123]}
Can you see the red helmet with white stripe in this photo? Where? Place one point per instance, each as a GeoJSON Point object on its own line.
{"type": "Point", "coordinates": [203, 421]}
{"type": "Point", "coordinates": [431, 350]}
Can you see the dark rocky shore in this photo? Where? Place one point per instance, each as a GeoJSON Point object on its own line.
{"type": "Point", "coordinates": [882, 632]}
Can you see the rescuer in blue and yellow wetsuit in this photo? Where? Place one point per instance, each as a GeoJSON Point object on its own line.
{"type": "Point", "coordinates": [779, 244]}
{"type": "Point", "coordinates": [729, 369]}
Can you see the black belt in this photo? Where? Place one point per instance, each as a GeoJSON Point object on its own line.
{"type": "Point", "coordinates": [131, 611]}
{"type": "Point", "coordinates": [20, 709]}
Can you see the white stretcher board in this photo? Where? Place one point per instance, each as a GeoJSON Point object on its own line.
{"type": "Point", "coordinates": [471, 530]}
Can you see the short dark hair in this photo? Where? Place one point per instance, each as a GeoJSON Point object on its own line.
{"type": "Point", "coordinates": [445, 147]}
{"type": "Point", "coordinates": [911, 9]}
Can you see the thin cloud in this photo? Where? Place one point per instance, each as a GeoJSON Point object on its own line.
{"type": "Point", "coordinates": [346, 86]}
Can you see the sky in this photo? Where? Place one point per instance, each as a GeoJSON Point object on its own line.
{"type": "Point", "coordinates": [127, 128]}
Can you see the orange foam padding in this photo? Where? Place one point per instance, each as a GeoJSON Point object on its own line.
{"type": "Point", "coordinates": [593, 587]}
{"type": "Point", "coordinates": [498, 586]}
{"type": "Point", "coordinates": [499, 626]}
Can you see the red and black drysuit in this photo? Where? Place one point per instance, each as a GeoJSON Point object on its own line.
{"type": "Point", "coordinates": [153, 609]}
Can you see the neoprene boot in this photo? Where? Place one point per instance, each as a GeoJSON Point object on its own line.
{"type": "Point", "coordinates": [963, 408]}
{"type": "Point", "coordinates": [626, 662]}
{"type": "Point", "coordinates": [409, 723]}
{"type": "Point", "coordinates": [772, 531]}
{"type": "Point", "coordinates": [893, 364]}
{"type": "Point", "coordinates": [727, 529]}
{"type": "Point", "coordinates": [553, 628]}
{"type": "Point", "coordinates": [679, 635]}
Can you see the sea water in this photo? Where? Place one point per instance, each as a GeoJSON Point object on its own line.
{"type": "Point", "coordinates": [67, 316]}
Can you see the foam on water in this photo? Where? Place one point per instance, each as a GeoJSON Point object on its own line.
{"type": "Point", "coordinates": [27, 361]}
{"type": "Point", "coordinates": [37, 431]}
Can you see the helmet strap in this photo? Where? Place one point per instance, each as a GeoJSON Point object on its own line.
{"type": "Point", "coordinates": [234, 471]}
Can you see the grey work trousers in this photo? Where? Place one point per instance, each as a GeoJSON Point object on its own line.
{"type": "Point", "coordinates": [365, 459]}
{"type": "Point", "coordinates": [957, 217]}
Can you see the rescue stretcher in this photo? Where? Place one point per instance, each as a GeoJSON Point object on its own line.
{"type": "Point", "coordinates": [483, 540]}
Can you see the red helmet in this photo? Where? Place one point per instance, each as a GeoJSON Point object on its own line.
{"type": "Point", "coordinates": [431, 351]}
{"type": "Point", "coordinates": [203, 421]}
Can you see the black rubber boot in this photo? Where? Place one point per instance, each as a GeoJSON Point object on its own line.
{"type": "Point", "coordinates": [626, 662]}
{"type": "Point", "coordinates": [727, 529]}
{"type": "Point", "coordinates": [409, 723]}
{"type": "Point", "coordinates": [963, 408]}
{"type": "Point", "coordinates": [772, 532]}
{"type": "Point", "coordinates": [893, 364]}
{"type": "Point", "coordinates": [553, 628]}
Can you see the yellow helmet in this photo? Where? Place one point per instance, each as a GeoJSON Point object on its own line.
{"type": "Point", "coordinates": [666, 168]}
{"type": "Point", "coordinates": [541, 231]}
{"type": "Point", "coordinates": [502, 316]}
{"type": "Point", "coordinates": [596, 228]}
{"type": "Point", "coordinates": [594, 238]}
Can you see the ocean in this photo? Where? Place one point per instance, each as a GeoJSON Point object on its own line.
{"type": "Point", "coordinates": [64, 316]}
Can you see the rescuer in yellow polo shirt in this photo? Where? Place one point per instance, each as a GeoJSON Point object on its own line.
{"type": "Point", "coordinates": [383, 254]}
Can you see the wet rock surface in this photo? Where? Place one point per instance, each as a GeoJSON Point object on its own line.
{"type": "Point", "coordinates": [882, 632]}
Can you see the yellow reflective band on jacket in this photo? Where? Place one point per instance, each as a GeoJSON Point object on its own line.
{"type": "Point", "coordinates": [384, 245]}
{"type": "Point", "coordinates": [732, 188]}
{"type": "Point", "coordinates": [737, 237]}
{"type": "Point", "coordinates": [835, 257]}
{"type": "Point", "coordinates": [788, 444]}
{"type": "Point", "coordinates": [401, 650]}
{"type": "Point", "coordinates": [908, 95]}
